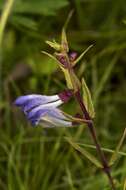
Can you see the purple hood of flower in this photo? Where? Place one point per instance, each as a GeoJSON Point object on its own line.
{"type": "Point", "coordinates": [41, 109]}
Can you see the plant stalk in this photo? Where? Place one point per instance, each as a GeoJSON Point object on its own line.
{"type": "Point", "coordinates": [91, 128]}
{"type": "Point", "coordinates": [76, 86]}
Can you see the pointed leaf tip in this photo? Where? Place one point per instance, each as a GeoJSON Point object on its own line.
{"type": "Point", "coordinates": [54, 45]}
{"type": "Point", "coordinates": [64, 42]}
{"type": "Point", "coordinates": [82, 54]}
{"type": "Point", "coordinates": [68, 18]}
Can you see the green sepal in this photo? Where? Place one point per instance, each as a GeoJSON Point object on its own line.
{"type": "Point", "coordinates": [54, 45]}
{"type": "Point", "coordinates": [87, 100]}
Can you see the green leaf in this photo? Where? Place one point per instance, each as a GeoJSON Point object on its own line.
{"type": "Point", "coordinates": [68, 19]}
{"type": "Point", "coordinates": [115, 154]}
{"type": "Point", "coordinates": [54, 45]}
{"type": "Point", "coordinates": [104, 149]}
{"type": "Point", "coordinates": [85, 153]}
{"type": "Point", "coordinates": [80, 57]}
{"type": "Point", "coordinates": [87, 99]}
{"type": "Point", "coordinates": [49, 55]}
{"type": "Point", "coordinates": [71, 79]}
{"type": "Point", "coordinates": [68, 78]}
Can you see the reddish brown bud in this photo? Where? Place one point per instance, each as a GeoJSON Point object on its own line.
{"type": "Point", "coordinates": [65, 95]}
{"type": "Point", "coordinates": [72, 56]}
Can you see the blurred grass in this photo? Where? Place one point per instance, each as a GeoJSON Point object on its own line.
{"type": "Point", "coordinates": [33, 158]}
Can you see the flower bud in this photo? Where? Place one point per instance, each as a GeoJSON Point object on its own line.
{"type": "Point", "coordinates": [65, 95]}
{"type": "Point", "coordinates": [72, 56]}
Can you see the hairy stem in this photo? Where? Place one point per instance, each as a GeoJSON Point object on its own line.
{"type": "Point", "coordinates": [86, 115]}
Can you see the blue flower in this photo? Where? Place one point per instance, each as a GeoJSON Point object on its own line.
{"type": "Point", "coordinates": [41, 109]}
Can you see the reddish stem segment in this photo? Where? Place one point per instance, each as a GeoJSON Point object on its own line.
{"type": "Point", "coordinates": [86, 115]}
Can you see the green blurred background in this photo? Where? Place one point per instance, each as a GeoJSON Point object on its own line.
{"type": "Point", "coordinates": [39, 159]}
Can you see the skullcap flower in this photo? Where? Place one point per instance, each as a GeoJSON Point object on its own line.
{"type": "Point", "coordinates": [41, 109]}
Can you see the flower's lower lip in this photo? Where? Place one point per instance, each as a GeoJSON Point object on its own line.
{"type": "Point", "coordinates": [57, 122]}
{"type": "Point", "coordinates": [52, 117]}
